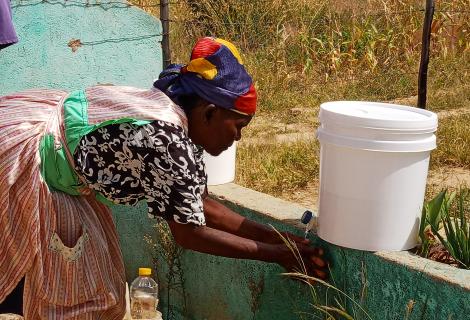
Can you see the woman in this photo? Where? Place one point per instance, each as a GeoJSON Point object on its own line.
{"type": "Point", "coordinates": [125, 145]}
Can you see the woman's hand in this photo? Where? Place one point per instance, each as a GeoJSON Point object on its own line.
{"type": "Point", "coordinates": [222, 218]}
{"type": "Point", "coordinates": [313, 263]}
{"type": "Point", "coordinates": [221, 243]}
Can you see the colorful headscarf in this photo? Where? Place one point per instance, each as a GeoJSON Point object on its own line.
{"type": "Point", "coordinates": [215, 73]}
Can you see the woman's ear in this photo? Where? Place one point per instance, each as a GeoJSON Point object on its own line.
{"type": "Point", "coordinates": [209, 111]}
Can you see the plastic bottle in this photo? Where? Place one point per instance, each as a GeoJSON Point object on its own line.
{"type": "Point", "coordinates": [144, 296]}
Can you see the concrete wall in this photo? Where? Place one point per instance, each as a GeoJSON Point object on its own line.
{"type": "Point", "coordinates": [387, 285]}
{"type": "Point", "coordinates": [116, 43]}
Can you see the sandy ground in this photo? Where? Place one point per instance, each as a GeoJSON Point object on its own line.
{"type": "Point", "coordinates": [448, 178]}
{"type": "Point", "coordinates": [437, 180]}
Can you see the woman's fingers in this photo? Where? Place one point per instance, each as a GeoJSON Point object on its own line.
{"type": "Point", "coordinates": [320, 274]}
{"type": "Point", "coordinates": [318, 261]}
{"type": "Point", "coordinates": [308, 251]}
{"type": "Point", "coordinates": [317, 266]}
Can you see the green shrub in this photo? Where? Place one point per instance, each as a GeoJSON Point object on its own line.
{"type": "Point", "coordinates": [451, 213]}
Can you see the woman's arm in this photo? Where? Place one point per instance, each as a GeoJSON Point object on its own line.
{"type": "Point", "coordinates": [220, 243]}
{"type": "Point", "coordinates": [222, 218]}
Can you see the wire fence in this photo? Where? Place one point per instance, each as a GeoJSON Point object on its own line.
{"type": "Point", "coordinates": [439, 14]}
{"type": "Point", "coordinates": [88, 3]}
{"type": "Point", "coordinates": [141, 4]}
{"type": "Point", "coordinates": [443, 30]}
{"type": "Point", "coordinates": [189, 24]}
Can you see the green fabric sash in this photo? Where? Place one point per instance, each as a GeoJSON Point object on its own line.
{"type": "Point", "coordinates": [55, 168]}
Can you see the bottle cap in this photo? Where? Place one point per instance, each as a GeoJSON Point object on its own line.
{"type": "Point", "coordinates": [145, 271]}
{"type": "Point", "coordinates": [306, 217]}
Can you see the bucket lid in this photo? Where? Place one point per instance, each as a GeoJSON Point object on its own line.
{"type": "Point", "coordinates": [377, 115]}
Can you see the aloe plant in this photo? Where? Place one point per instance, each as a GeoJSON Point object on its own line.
{"type": "Point", "coordinates": [451, 213]}
{"type": "Point", "coordinates": [431, 214]}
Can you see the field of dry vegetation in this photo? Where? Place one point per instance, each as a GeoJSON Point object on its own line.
{"type": "Point", "coordinates": [302, 53]}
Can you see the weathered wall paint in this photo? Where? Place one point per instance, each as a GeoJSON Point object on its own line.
{"type": "Point", "coordinates": [120, 45]}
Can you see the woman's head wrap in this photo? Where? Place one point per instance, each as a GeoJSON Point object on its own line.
{"type": "Point", "coordinates": [215, 73]}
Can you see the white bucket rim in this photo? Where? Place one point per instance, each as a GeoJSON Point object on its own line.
{"type": "Point", "coordinates": [424, 121]}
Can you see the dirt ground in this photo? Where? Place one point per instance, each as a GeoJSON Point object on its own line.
{"type": "Point", "coordinates": [437, 180]}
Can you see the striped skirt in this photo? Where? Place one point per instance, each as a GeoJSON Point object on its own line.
{"type": "Point", "coordinates": [65, 246]}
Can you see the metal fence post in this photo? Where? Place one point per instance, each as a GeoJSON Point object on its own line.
{"type": "Point", "coordinates": [165, 19]}
{"type": "Point", "coordinates": [423, 65]}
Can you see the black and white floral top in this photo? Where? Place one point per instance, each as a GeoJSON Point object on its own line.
{"type": "Point", "coordinates": [156, 162]}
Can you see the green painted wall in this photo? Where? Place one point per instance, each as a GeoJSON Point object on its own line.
{"type": "Point", "coordinates": [133, 224]}
{"type": "Point", "coordinates": [120, 45]}
{"type": "Point", "coordinates": [220, 288]}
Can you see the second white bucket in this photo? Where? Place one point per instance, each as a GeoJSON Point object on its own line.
{"type": "Point", "coordinates": [374, 161]}
{"type": "Point", "coordinates": [221, 169]}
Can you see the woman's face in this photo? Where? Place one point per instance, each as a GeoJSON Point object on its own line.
{"type": "Point", "coordinates": [216, 129]}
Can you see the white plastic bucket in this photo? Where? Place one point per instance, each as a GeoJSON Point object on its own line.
{"type": "Point", "coordinates": [221, 169]}
{"type": "Point", "coordinates": [374, 161]}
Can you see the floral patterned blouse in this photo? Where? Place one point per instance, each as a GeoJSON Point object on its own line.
{"type": "Point", "coordinates": [156, 162]}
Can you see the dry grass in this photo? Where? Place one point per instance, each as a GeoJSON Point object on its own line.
{"type": "Point", "coordinates": [273, 168]}
{"type": "Point", "coordinates": [453, 142]}
{"type": "Point", "coordinates": [302, 53]}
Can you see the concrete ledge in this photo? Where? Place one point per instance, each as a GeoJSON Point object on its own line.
{"type": "Point", "coordinates": [436, 270]}
{"type": "Point", "coordinates": [290, 213]}
{"type": "Point", "coordinates": [261, 203]}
